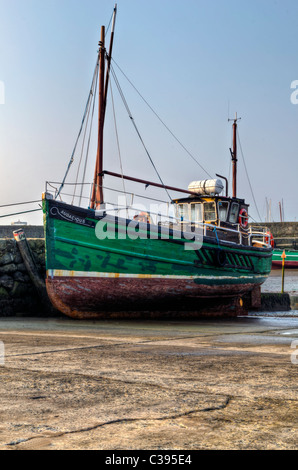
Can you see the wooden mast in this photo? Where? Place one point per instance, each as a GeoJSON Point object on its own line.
{"type": "Point", "coordinates": [97, 191]}
{"type": "Point", "coordinates": [97, 198]}
{"type": "Point", "coordinates": [109, 58]}
{"type": "Point", "coordinates": [234, 158]}
{"type": "Point", "coordinates": [234, 155]}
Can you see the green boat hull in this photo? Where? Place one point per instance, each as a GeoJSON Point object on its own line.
{"type": "Point", "coordinates": [291, 260]}
{"type": "Point", "coordinates": [88, 277]}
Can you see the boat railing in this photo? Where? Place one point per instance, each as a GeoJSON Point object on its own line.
{"type": "Point", "coordinates": [171, 221]}
{"type": "Point", "coordinates": [254, 235]}
{"type": "Point", "coordinates": [178, 223]}
{"type": "Point", "coordinates": [259, 235]}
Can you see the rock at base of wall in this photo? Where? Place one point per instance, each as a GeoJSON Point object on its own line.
{"type": "Point", "coordinates": [275, 303]}
{"type": "Point", "coordinates": [18, 296]}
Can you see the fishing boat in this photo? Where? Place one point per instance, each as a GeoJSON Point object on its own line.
{"type": "Point", "coordinates": [105, 260]}
{"type": "Point", "coordinates": [291, 259]}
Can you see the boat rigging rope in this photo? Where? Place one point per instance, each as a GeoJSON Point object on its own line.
{"type": "Point", "coordinates": [248, 176]}
{"type": "Point", "coordinates": [136, 129]}
{"type": "Point", "coordinates": [88, 145]}
{"type": "Point", "coordinates": [108, 27]}
{"type": "Point", "coordinates": [82, 151]}
{"type": "Point", "coordinates": [118, 143]}
{"type": "Point", "coordinates": [162, 122]}
{"type": "Point", "coordinates": [91, 93]}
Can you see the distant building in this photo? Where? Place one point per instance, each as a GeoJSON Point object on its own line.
{"type": "Point", "coordinates": [19, 223]}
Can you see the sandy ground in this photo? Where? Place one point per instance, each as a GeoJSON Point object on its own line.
{"type": "Point", "coordinates": [148, 385]}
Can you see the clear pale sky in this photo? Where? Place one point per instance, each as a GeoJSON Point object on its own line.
{"type": "Point", "coordinates": [195, 62]}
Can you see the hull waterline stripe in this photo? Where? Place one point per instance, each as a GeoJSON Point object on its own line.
{"type": "Point", "coordinates": [52, 273]}
{"type": "Point", "coordinates": [289, 257]}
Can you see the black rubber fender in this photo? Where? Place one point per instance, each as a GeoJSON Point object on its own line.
{"type": "Point", "coordinates": [220, 257]}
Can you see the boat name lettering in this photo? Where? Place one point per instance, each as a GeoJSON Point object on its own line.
{"type": "Point", "coordinates": [74, 218]}
{"type": "Point", "coordinates": [63, 214]}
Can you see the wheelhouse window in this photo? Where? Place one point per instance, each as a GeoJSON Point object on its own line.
{"type": "Point", "coordinates": [196, 212]}
{"type": "Point", "coordinates": [209, 211]}
{"type": "Point", "coordinates": [234, 213]}
{"type": "Point", "coordinates": [223, 209]}
{"type": "Point", "coordinates": [183, 212]}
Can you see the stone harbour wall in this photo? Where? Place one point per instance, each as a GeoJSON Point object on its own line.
{"type": "Point", "coordinates": [18, 295]}
{"type": "Point", "coordinates": [285, 233]}
{"type": "Point", "coordinates": [32, 231]}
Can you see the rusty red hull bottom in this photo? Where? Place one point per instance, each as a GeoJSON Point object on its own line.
{"type": "Point", "coordinates": [288, 264]}
{"type": "Point", "coordinates": [144, 298]}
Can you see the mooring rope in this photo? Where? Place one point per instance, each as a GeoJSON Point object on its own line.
{"type": "Point", "coordinates": [20, 203]}
{"type": "Point", "coordinates": [19, 213]}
